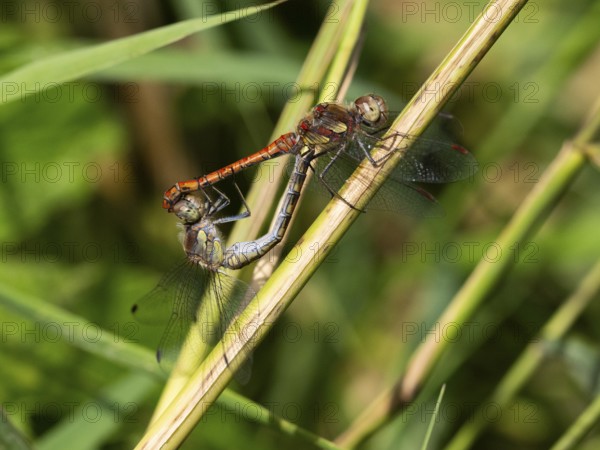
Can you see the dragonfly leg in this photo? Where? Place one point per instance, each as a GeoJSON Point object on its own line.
{"type": "Point", "coordinates": [332, 160]}
{"type": "Point", "coordinates": [221, 202]}
{"type": "Point", "coordinates": [193, 207]}
{"type": "Point", "coordinates": [242, 215]}
{"type": "Point", "coordinates": [390, 147]}
{"type": "Point", "coordinates": [243, 253]}
{"type": "Point", "coordinates": [326, 169]}
{"type": "Point", "coordinates": [322, 179]}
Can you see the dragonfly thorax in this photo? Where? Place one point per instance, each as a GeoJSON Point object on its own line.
{"type": "Point", "coordinates": [325, 126]}
{"type": "Point", "coordinates": [203, 245]}
{"type": "Point", "coordinates": [200, 237]}
{"type": "Point", "coordinates": [328, 124]}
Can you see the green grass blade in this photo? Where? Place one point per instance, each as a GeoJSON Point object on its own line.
{"type": "Point", "coordinates": [234, 402]}
{"type": "Point", "coordinates": [433, 418]}
{"type": "Point", "coordinates": [93, 423]}
{"type": "Point", "coordinates": [108, 346]}
{"type": "Point", "coordinates": [582, 426]}
{"type": "Point", "coordinates": [182, 66]}
{"type": "Point", "coordinates": [53, 70]}
{"type": "Point", "coordinates": [10, 436]}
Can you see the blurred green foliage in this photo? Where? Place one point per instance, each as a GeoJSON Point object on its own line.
{"type": "Point", "coordinates": [84, 165]}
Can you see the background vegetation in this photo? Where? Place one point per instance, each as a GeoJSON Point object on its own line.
{"type": "Point", "coordinates": [84, 166]}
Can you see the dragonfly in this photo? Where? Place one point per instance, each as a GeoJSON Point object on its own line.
{"type": "Point", "coordinates": [198, 292]}
{"type": "Point", "coordinates": [338, 137]}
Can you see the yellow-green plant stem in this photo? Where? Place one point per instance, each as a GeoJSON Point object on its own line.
{"type": "Point", "coordinates": [214, 373]}
{"type": "Point", "coordinates": [530, 360]}
{"type": "Point", "coordinates": [559, 175]}
{"type": "Point", "coordinates": [334, 87]}
{"type": "Point", "coordinates": [481, 282]}
{"type": "Point", "coordinates": [308, 83]}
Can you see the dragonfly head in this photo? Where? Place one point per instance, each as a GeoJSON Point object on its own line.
{"type": "Point", "coordinates": [189, 209]}
{"type": "Point", "coordinates": [373, 110]}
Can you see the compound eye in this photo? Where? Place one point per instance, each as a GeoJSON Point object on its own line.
{"type": "Point", "coordinates": [187, 211]}
{"type": "Point", "coordinates": [372, 109]}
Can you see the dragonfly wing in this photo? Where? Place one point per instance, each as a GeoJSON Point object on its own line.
{"type": "Point", "coordinates": [407, 199]}
{"type": "Point", "coordinates": [396, 196]}
{"type": "Point", "coordinates": [230, 297]}
{"type": "Point", "coordinates": [187, 297]}
{"type": "Point", "coordinates": [174, 300]}
{"type": "Point", "coordinates": [425, 161]}
{"type": "Point", "coordinates": [192, 284]}
{"type": "Point", "coordinates": [155, 307]}
{"type": "Point", "coordinates": [429, 161]}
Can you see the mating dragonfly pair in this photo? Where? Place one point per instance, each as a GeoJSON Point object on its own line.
{"type": "Point", "coordinates": [331, 140]}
